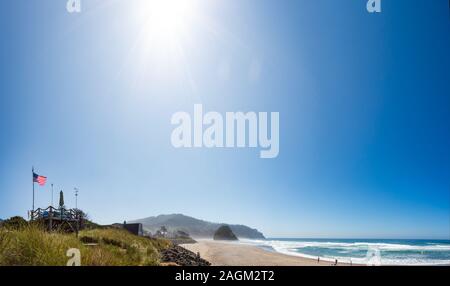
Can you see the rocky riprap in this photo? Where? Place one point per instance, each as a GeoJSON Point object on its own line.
{"type": "Point", "coordinates": [177, 255]}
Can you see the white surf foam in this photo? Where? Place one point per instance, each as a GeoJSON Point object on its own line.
{"type": "Point", "coordinates": [294, 248]}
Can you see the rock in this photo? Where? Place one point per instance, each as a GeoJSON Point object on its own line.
{"type": "Point", "coordinates": [224, 233]}
{"type": "Point", "coordinates": [177, 255]}
{"type": "Point", "coordinates": [179, 241]}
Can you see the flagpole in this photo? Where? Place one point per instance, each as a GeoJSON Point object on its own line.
{"type": "Point", "coordinates": [32, 171]}
{"type": "Point", "coordinates": [52, 194]}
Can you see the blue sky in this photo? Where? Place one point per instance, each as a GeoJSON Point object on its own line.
{"type": "Point", "coordinates": [364, 105]}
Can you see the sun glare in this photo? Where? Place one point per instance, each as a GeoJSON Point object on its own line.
{"type": "Point", "coordinates": [166, 32]}
{"type": "Point", "coordinates": [167, 19]}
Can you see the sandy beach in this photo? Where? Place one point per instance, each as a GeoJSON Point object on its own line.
{"type": "Point", "coordinates": [235, 254]}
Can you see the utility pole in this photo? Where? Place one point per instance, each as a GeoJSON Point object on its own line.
{"type": "Point", "coordinates": [76, 198]}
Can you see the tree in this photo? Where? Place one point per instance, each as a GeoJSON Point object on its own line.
{"type": "Point", "coordinates": [61, 200]}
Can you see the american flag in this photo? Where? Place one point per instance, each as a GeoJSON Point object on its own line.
{"type": "Point", "coordinates": [41, 180]}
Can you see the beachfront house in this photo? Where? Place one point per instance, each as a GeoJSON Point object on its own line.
{"type": "Point", "coordinates": [134, 228]}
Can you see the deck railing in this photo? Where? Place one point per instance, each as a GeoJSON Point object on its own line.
{"type": "Point", "coordinates": [54, 213]}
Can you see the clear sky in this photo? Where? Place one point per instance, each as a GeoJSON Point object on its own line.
{"type": "Point", "coordinates": [364, 102]}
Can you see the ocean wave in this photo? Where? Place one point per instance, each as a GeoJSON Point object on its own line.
{"type": "Point", "coordinates": [294, 248]}
{"type": "Point", "coordinates": [353, 245]}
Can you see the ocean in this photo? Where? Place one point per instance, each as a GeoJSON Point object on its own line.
{"type": "Point", "coordinates": [363, 251]}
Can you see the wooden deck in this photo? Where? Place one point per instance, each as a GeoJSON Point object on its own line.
{"type": "Point", "coordinates": [61, 219]}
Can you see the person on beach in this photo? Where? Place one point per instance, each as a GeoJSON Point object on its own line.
{"type": "Point", "coordinates": [318, 259]}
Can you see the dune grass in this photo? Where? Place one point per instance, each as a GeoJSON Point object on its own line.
{"type": "Point", "coordinates": [31, 246]}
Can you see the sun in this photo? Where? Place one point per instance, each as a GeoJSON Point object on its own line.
{"type": "Point", "coordinates": [167, 20]}
{"type": "Point", "coordinates": [165, 35]}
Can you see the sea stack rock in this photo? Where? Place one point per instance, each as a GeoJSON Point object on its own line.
{"type": "Point", "coordinates": [224, 233]}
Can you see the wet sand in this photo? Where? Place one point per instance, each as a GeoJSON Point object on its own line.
{"type": "Point", "coordinates": [235, 254]}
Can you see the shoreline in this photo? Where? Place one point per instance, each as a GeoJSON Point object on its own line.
{"type": "Point", "coordinates": [220, 253]}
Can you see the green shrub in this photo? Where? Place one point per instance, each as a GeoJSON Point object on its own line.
{"type": "Point", "coordinates": [15, 222]}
